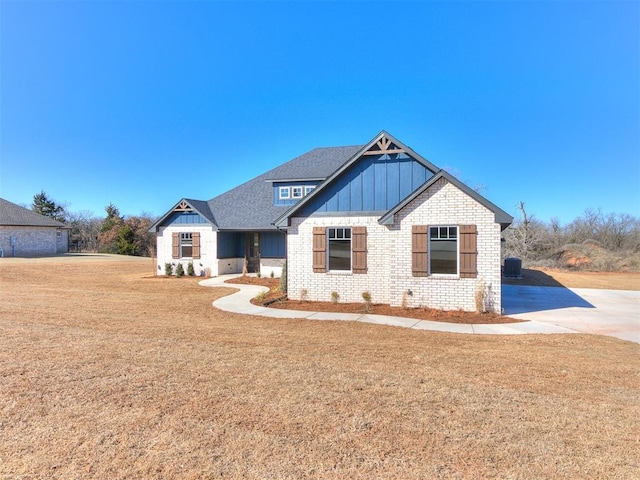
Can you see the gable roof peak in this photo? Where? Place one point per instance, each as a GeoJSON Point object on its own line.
{"type": "Point", "coordinates": [382, 144]}
{"type": "Point", "coordinates": [200, 207]}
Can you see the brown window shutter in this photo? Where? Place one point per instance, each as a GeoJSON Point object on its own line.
{"type": "Point", "coordinates": [195, 236]}
{"type": "Point", "coordinates": [468, 251]}
{"type": "Point", "coordinates": [175, 245]}
{"type": "Point", "coordinates": [419, 250]}
{"type": "Point", "coordinates": [319, 249]}
{"type": "Point", "coordinates": [359, 249]}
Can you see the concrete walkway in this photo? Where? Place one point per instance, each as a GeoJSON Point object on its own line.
{"type": "Point", "coordinates": [547, 309]}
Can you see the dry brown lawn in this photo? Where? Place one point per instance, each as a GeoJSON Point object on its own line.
{"type": "Point", "coordinates": [108, 372]}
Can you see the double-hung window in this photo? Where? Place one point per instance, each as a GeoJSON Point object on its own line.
{"type": "Point", "coordinates": [283, 193]}
{"type": "Point", "coordinates": [186, 244]}
{"type": "Point", "coordinates": [339, 248]}
{"type": "Point", "coordinates": [443, 250]}
{"type": "Point", "coordinates": [296, 192]}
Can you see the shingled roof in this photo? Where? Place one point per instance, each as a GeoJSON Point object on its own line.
{"type": "Point", "coordinates": [16, 216]}
{"type": "Point", "coordinates": [250, 206]}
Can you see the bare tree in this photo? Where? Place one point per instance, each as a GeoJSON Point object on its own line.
{"type": "Point", "coordinates": [523, 237]}
{"type": "Point", "coordinates": [85, 227]}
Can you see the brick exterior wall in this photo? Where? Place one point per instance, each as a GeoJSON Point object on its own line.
{"type": "Point", "coordinates": [444, 204]}
{"type": "Point", "coordinates": [389, 278]}
{"type": "Point", "coordinates": [349, 286]}
{"type": "Point", "coordinates": [208, 254]}
{"type": "Point", "coordinates": [34, 241]}
{"type": "Point", "coordinates": [208, 247]}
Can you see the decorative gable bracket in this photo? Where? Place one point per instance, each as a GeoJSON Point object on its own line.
{"type": "Point", "coordinates": [384, 146]}
{"type": "Point", "coordinates": [183, 207]}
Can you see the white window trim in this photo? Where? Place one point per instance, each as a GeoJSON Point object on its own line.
{"type": "Point", "coordinates": [284, 193]}
{"type": "Point", "coordinates": [186, 236]}
{"type": "Point", "coordinates": [300, 188]}
{"type": "Point", "coordinates": [308, 189]}
{"type": "Point", "coordinates": [328, 252]}
{"type": "Point", "coordinates": [429, 250]}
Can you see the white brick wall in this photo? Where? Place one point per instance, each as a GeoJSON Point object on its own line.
{"type": "Point", "coordinates": [349, 286]}
{"type": "Point", "coordinates": [389, 277]}
{"type": "Point", "coordinates": [208, 246]}
{"type": "Point", "coordinates": [444, 204]}
{"type": "Point", "coordinates": [208, 254]}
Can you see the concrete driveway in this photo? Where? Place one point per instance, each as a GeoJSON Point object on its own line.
{"type": "Point", "coordinates": [605, 312]}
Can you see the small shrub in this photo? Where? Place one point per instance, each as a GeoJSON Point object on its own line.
{"type": "Point", "coordinates": [244, 268]}
{"type": "Point", "coordinates": [262, 295]}
{"type": "Point", "coordinates": [179, 270]}
{"type": "Point", "coordinates": [283, 278]}
{"type": "Point", "coordinates": [190, 271]}
{"type": "Point", "coordinates": [366, 296]}
{"type": "Point", "coordinates": [335, 297]}
{"type": "Point", "coordinates": [272, 275]}
{"type": "Point", "coordinates": [168, 269]}
{"type": "Point", "coordinates": [303, 294]}
{"type": "Point", "coordinates": [258, 274]}
{"type": "Point", "coordinates": [481, 294]}
{"type": "Point", "coordinates": [207, 272]}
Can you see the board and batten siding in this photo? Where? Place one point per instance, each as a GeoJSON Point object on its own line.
{"type": "Point", "coordinates": [374, 183]}
{"type": "Point", "coordinates": [184, 218]}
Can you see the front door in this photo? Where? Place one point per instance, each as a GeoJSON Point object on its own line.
{"type": "Point", "coordinates": [253, 252]}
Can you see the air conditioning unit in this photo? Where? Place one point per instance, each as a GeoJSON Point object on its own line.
{"type": "Point", "coordinates": [512, 267]}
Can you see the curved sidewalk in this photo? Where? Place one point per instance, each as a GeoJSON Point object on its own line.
{"type": "Point", "coordinates": [240, 302]}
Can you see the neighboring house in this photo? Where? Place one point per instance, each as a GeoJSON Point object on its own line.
{"type": "Point", "coordinates": [24, 233]}
{"type": "Point", "coordinates": [377, 218]}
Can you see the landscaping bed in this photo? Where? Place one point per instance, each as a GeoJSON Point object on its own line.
{"type": "Point", "coordinates": [275, 299]}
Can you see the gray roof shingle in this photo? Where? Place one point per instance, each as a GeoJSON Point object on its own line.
{"type": "Point", "coordinates": [250, 206]}
{"type": "Point", "coordinates": [17, 216]}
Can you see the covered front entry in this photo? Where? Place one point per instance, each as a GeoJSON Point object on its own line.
{"type": "Point", "coordinates": [252, 251]}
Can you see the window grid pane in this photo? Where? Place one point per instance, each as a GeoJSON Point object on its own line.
{"type": "Point", "coordinates": [339, 255]}
{"type": "Point", "coordinates": [443, 250]}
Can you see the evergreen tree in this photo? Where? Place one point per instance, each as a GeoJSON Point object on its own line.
{"type": "Point", "coordinates": [113, 218]}
{"type": "Point", "coordinates": [126, 241]}
{"type": "Point", "coordinates": [44, 206]}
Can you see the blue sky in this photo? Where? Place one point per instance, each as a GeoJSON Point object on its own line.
{"type": "Point", "coordinates": [143, 103]}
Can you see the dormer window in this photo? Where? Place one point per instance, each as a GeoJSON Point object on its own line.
{"type": "Point", "coordinates": [296, 192]}
{"type": "Point", "coordinates": [283, 193]}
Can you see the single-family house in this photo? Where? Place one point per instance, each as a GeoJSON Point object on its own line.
{"type": "Point", "coordinates": [25, 233]}
{"type": "Point", "coordinates": [376, 218]}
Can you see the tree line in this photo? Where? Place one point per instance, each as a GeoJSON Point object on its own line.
{"type": "Point", "coordinates": [539, 242]}
{"type": "Point", "coordinates": [114, 233]}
